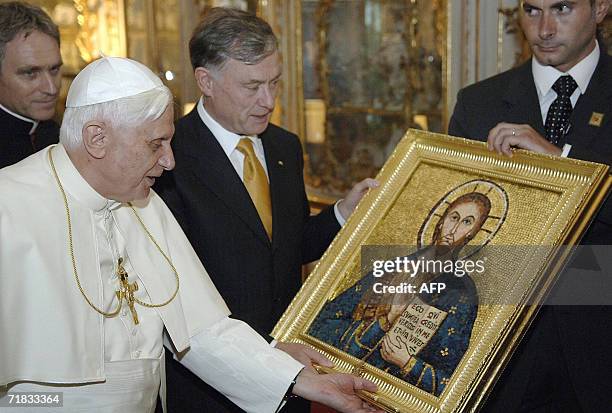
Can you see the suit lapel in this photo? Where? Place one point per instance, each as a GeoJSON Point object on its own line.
{"type": "Point", "coordinates": [595, 99]}
{"type": "Point", "coordinates": [214, 169]}
{"type": "Point", "coordinates": [522, 99]}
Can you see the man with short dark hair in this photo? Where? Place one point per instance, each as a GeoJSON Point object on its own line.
{"type": "Point", "coordinates": [238, 189]}
{"type": "Point", "coordinates": [30, 63]}
{"type": "Point", "coordinates": [558, 103]}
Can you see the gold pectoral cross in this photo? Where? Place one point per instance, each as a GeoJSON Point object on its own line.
{"type": "Point", "coordinates": [127, 289]}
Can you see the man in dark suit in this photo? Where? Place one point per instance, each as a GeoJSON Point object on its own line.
{"type": "Point", "coordinates": [563, 363]}
{"type": "Point", "coordinates": [30, 78]}
{"type": "Point", "coordinates": [238, 189]}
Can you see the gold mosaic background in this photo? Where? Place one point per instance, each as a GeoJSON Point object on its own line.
{"type": "Point", "coordinates": [401, 223]}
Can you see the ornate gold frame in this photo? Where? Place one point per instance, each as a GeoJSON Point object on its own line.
{"type": "Point", "coordinates": [423, 167]}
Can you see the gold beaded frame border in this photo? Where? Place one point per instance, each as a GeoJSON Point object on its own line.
{"type": "Point", "coordinates": [578, 188]}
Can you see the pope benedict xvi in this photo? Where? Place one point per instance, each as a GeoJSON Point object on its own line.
{"type": "Point", "coordinates": [94, 269]}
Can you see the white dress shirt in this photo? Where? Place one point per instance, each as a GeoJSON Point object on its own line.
{"type": "Point", "coordinates": [545, 76]}
{"type": "Point", "coordinates": [229, 141]}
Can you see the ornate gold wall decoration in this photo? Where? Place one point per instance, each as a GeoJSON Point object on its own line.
{"type": "Point", "coordinates": [87, 29]}
{"type": "Point", "coordinates": [101, 29]}
{"type": "Point", "coordinates": [377, 67]}
{"type": "Point", "coordinates": [512, 26]}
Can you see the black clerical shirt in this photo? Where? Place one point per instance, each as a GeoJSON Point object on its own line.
{"type": "Point", "coordinates": [19, 138]}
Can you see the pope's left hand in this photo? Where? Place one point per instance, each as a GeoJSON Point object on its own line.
{"type": "Point", "coordinates": [504, 136]}
{"type": "Point", "coordinates": [336, 390]}
{"type": "Point", "coordinates": [304, 354]}
{"type": "Point", "coordinates": [347, 205]}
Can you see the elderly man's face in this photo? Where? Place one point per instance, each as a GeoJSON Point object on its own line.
{"type": "Point", "coordinates": [462, 220]}
{"type": "Point", "coordinates": [30, 75]}
{"type": "Point", "coordinates": [561, 33]}
{"type": "Point", "coordinates": [242, 96]}
{"type": "Point", "coordinates": [136, 157]}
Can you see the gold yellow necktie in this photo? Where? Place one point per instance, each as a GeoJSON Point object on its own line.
{"type": "Point", "coordinates": [256, 183]}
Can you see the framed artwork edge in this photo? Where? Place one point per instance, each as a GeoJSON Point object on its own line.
{"type": "Point", "coordinates": [582, 187]}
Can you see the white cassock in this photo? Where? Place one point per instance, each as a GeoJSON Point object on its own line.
{"type": "Point", "coordinates": [51, 340]}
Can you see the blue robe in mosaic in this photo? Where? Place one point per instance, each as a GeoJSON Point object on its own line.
{"type": "Point", "coordinates": [435, 363]}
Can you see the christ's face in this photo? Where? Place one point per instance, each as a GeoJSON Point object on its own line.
{"type": "Point", "coordinates": [461, 221]}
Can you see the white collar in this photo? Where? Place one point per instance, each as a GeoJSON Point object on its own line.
{"type": "Point", "coordinates": [18, 116]}
{"type": "Point", "coordinates": [545, 76]}
{"type": "Point", "coordinates": [74, 183]}
{"type": "Point", "coordinates": [228, 140]}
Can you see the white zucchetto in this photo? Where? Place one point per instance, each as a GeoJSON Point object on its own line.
{"type": "Point", "coordinates": [110, 78]}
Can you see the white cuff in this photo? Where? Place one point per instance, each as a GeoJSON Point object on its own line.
{"type": "Point", "coordinates": [338, 215]}
{"type": "Point", "coordinates": [566, 150]}
{"type": "Point", "coordinates": [234, 359]}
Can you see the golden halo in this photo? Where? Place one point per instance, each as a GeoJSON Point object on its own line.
{"type": "Point", "coordinates": [497, 215]}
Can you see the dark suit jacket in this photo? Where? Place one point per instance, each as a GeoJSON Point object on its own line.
{"type": "Point", "coordinates": [256, 277]}
{"type": "Point", "coordinates": [563, 363]}
{"type": "Point", "coordinates": [512, 97]}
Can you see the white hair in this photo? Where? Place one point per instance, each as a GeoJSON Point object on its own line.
{"type": "Point", "coordinates": [125, 112]}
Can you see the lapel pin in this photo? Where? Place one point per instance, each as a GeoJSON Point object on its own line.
{"type": "Point", "coordinates": [281, 163]}
{"type": "Point", "coordinates": [596, 119]}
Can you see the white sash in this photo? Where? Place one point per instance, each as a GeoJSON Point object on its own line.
{"type": "Point", "coordinates": [130, 386]}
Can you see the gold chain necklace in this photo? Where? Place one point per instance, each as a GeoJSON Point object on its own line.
{"type": "Point", "coordinates": [127, 290]}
